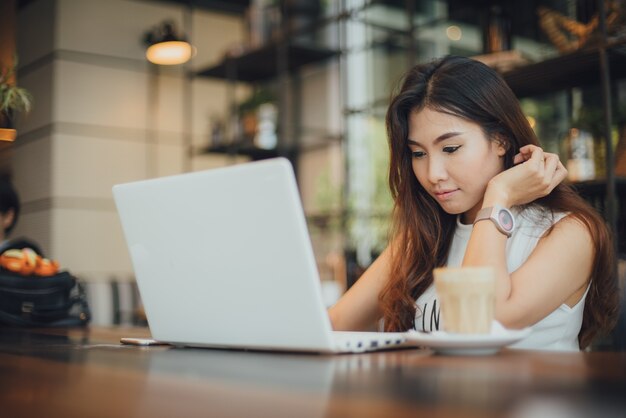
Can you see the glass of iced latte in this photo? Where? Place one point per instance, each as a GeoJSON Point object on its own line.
{"type": "Point", "coordinates": [467, 298]}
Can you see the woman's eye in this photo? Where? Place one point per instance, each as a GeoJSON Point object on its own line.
{"type": "Point", "coordinates": [418, 154]}
{"type": "Point", "coordinates": [450, 149]}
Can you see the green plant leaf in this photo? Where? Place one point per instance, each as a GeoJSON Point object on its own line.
{"type": "Point", "coordinates": [12, 97]}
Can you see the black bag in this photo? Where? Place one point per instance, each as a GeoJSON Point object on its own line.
{"type": "Point", "coordinates": [54, 301]}
{"type": "Point", "coordinates": [35, 301]}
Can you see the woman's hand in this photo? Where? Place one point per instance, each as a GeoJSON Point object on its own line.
{"type": "Point", "coordinates": [535, 175]}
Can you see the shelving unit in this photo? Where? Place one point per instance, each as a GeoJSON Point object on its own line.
{"type": "Point", "coordinates": [277, 62]}
{"type": "Point", "coordinates": [577, 69]}
{"type": "Point", "coordinates": [283, 58]}
{"type": "Point", "coordinates": [244, 148]}
{"type": "Point", "coordinates": [262, 64]}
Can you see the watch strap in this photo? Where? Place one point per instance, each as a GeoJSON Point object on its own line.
{"type": "Point", "coordinates": [485, 213]}
{"type": "Point", "coordinates": [492, 213]}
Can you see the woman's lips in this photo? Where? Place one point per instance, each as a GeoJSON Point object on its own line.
{"type": "Point", "coordinates": [446, 194]}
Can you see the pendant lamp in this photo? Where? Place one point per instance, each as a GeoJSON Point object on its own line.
{"type": "Point", "coordinates": [166, 47]}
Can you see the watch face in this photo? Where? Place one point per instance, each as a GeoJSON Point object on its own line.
{"type": "Point", "coordinates": [506, 220]}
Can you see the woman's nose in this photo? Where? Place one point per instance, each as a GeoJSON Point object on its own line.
{"type": "Point", "coordinates": [436, 170]}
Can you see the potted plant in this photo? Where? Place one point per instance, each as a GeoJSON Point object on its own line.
{"type": "Point", "coordinates": [13, 99]}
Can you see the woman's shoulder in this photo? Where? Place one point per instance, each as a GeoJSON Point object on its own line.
{"type": "Point", "coordinates": [539, 217]}
{"type": "Point", "coordinates": [535, 209]}
{"type": "Point", "coordinates": [536, 215]}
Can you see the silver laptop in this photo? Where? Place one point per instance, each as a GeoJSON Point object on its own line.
{"type": "Point", "coordinates": [223, 259]}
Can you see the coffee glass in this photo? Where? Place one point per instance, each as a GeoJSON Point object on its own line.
{"type": "Point", "coordinates": [467, 298]}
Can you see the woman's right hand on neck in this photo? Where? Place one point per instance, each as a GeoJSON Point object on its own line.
{"type": "Point", "coordinates": [535, 174]}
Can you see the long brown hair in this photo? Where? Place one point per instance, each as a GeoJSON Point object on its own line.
{"type": "Point", "coordinates": [422, 232]}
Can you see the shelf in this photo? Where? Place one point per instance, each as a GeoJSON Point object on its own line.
{"type": "Point", "coordinates": [598, 187]}
{"type": "Point", "coordinates": [377, 107]}
{"type": "Point", "coordinates": [246, 149]}
{"type": "Point", "coordinates": [594, 192]}
{"type": "Point", "coordinates": [227, 6]}
{"type": "Point", "coordinates": [317, 146]}
{"type": "Point", "coordinates": [326, 219]}
{"type": "Point", "coordinates": [577, 69]}
{"type": "Point", "coordinates": [262, 64]}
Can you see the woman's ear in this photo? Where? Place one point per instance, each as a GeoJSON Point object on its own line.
{"type": "Point", "coordinates": [501, 146]}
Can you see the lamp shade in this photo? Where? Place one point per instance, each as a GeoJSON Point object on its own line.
{"type": "Point", "coordinates": [169, 52]}
{"type": "Point", "coordinates": [166, 47]}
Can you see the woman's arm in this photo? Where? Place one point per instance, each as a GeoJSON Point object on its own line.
{"type": "Point", "coordinates": [358, 308]}
{"type": "Point", "coordinates": [558, 269]}
{"type": "Point", "coordinates": [556, 272]}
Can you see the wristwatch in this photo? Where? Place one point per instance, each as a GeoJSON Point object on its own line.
{"type": "Point", "coordinates": [501, 217]}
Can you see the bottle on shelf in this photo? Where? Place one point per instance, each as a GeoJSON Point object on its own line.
{"type": "Point", "coordinates": [265, 135]}
{"type": "Point", "coordinates": [580, 162]}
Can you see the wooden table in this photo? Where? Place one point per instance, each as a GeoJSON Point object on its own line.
{"type": "Point", "coordinates": [86, 373]}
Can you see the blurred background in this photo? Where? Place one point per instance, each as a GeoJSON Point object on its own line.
{"type": "Point", "coordinates": [305, 79]}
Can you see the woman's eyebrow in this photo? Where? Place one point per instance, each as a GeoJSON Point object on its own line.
{"type": "Point", "coordinates": [437, 140]}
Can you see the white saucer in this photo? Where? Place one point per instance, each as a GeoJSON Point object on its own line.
{"type": "Point", "coordinates": [468, 344]}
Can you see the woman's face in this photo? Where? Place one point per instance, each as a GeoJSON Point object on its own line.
{"type": "Point", "coordinates": [453, 160]}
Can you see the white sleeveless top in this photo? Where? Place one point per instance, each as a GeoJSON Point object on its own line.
{"type": "Point", "coordinates": [559, 330]}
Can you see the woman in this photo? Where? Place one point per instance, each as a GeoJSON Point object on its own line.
{"type": "Point", "coordinates": [462, 151]}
